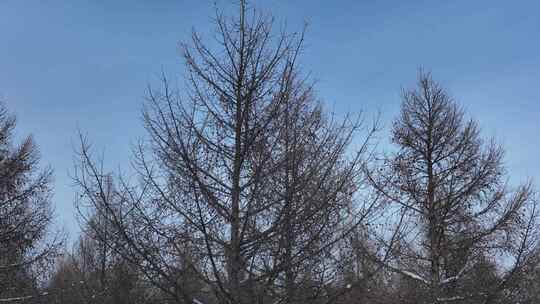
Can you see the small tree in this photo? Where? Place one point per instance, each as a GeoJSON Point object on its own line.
{"type": "Point", "coordinates": [90, 274]}
{"type": "Point", "coordinates": [456, 212]}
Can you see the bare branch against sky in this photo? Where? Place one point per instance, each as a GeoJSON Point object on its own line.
{"type": "Point", "coordinates": [239, 152]}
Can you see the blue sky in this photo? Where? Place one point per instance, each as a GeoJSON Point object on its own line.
{"type": "Point", "coordinates": [68, 65]}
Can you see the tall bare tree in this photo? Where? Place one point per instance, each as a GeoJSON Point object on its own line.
{"type": "Point", "coordinates": [245, 184]}
{"type": "Point", "coordinates": [456, 211]}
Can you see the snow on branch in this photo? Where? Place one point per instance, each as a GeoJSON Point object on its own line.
{"type": "Point", "coordinates": [449, 299]}
{"type": "Point", "coordinates": [453, 278]}
{"type": "Point", "coordinates": [414, 276]}
{"type": "Point", "coordinates": [18, 299]}
{"type": "Point", "coordinates": [195, 301]}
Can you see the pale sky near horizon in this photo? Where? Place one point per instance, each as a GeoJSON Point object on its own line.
{"type": "Point", "coordinates": [68, 65]}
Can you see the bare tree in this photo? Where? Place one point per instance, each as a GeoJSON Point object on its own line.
{"type": "Point", "coordinates": [314, 188]}
{"type": "Point", "coordinates": [245, 185]}
{"type": "Point", "coordinates": [93, 273]}
{"type": "Point", "coordinates": [25, 215]}
{"type": "Point", "coordinates": [452, 202]}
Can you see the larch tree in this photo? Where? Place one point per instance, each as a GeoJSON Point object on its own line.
{"type": "Point", "coordinates": [25, 215]}
{"type": "Point", "coordinates": [456, 213]}
{"type": "Point", "coordinates": [245, 185]}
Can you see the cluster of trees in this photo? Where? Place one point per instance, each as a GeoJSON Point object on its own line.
{"type": "Point", "coordinates": [247, 190]}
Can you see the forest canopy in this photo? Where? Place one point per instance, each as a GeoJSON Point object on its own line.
{"type": "Point", "coordinates": [248, 189]}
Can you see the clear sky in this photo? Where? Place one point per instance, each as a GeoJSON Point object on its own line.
{"type": "Point", "coordinates": [85, 64]}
